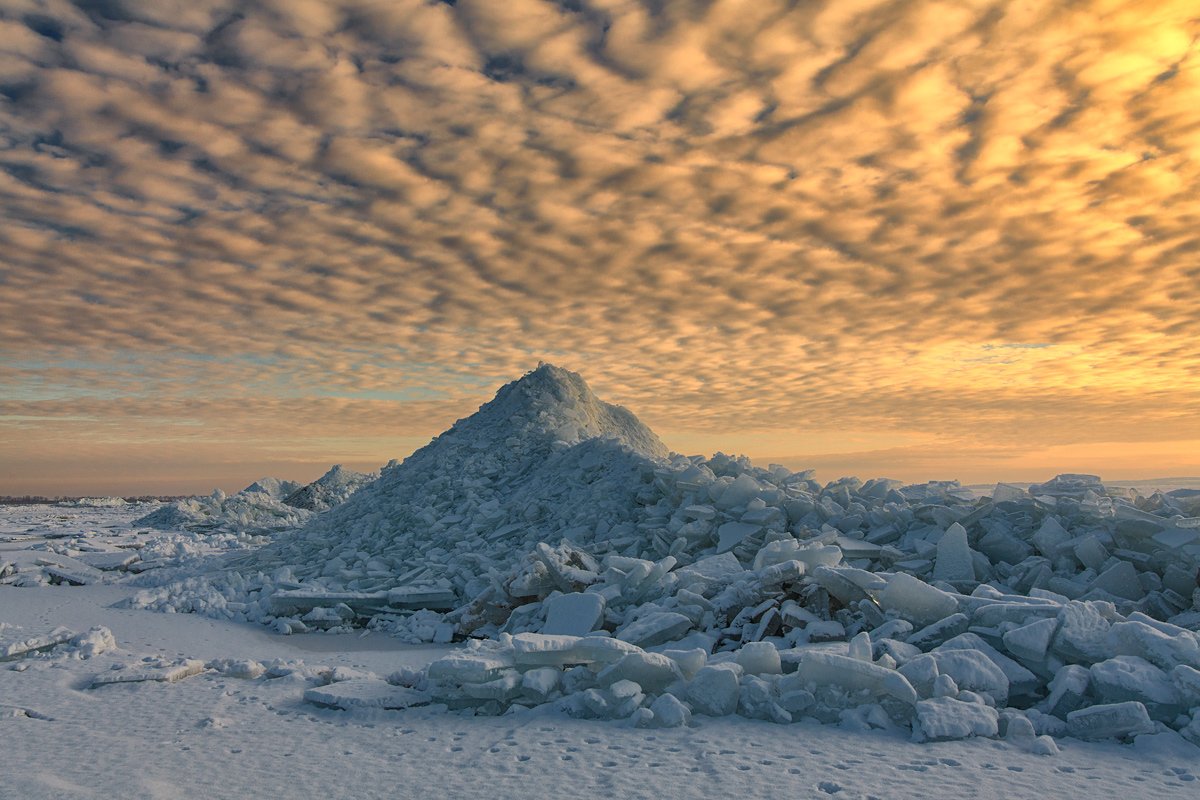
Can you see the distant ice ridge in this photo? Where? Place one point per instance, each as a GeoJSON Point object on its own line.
{"type": "Point", "coordinates": [248, 511]}
{"type": "Point", "coordinates": [96, 502]}
{"type": "Point", "coordinates": [268, 505]}
{"type": "Point", "coordinates": [275, 488]}
{"type": "Point", "coordinates": [602, 573]}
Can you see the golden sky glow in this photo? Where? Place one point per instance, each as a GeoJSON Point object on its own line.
{"type": "Point", "coordinates": [914, 239]}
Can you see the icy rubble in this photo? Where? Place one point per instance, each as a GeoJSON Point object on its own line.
{"type": "Point", "coordinates": [85, 556]}
{"type": "Point", "coordinates": [248, 511]}
{"type": "Point", "coordinates": [594, 570]}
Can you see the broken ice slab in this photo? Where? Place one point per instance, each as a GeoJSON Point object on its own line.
{"type": "Point", "coordinates": [301, 601]}
{"type": "Point", "coordinates": [1008, 493]}
{"type": "Point", "coordinates": [1177, 537]}
{"type": "Point", "coordinates": [935, 633]}
{"type": "Point", "coordinates": [857, 548]}
{"type": "Point", "coordinates": [1121, 580]}
{"type": "Point", "coordinates": [714, 570]}
{"type": "Point", "coordinates": [108, 560]}
{"type": "Point", "coordinates": [503, 689]}
{"type": "Point", "coordinates": [1124, 678]}
{"type": "Point", "coordinates": [434, 598]}
{"type": "Point", "coordinates": [714, 691]}
{"type": "Point", "coordinates": [365, 693]}
{"type": "Point", "coordinates": [954, 563]}
{"type": "Point", "coordinates": [1113, 720]}
{"type": "Point", "coordinates": [651, 671]}
{"type": "Point", "coordinates": [14, 645]}
{"type": "Point", "coordinates": [731, 534]}
{"type": "Point", "coordinates": [1021, 682]}
{"type": "Point", "coordinates": [573, 614]}
{"type": "Point", "coordinates": [1068, 690]}
{"type": "Point", "coordinates": [1159, 643]}
{"type": "Point", "coordinates": [700, 512]}
{"type": "Point", "coordinates": [67, 569]}
{"type": "Point", "coordinates": [824, 669]}
{"type": "Point", "coordinates": [993, 614]}
{"type": "Point", "coordinates": [506, 530]}
{"type": "Point", "coordinates": [970, 669]}
{"type": "Point", "coordinates": [944, 718]}
{"type": "Point", "coordinates": [1030, 642]}
{"type": "Point", "coordinates": [839, 584]}
{"type": "Point", "coordinates": [164, 674]}
{"type": "Point", "coordinates": [781, 573]}
{"type": "Point", "coordinates": [539, 650]}
{"type": "Point", "coordinates": [1050, 537]}
{"type": "Point", "coordinates": [467, 667]}
{"type": "Point", "coordinates": [1082, 634]}
{"type": "Point", "coordinates": [915, 600]}
{"type": "Point", "coordinates": [759, 658]}
{"type": "Point", "coordinates": [656, 628]}
{"type": "Point", "coordinates": [669, 712]}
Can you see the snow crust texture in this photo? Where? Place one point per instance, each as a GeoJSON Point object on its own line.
{"type": "Point", "coordinates": [592, 569]}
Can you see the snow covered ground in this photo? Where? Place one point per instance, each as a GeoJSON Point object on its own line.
{"type": "Point", "coordinates": [228, 733]}
{"type": "Point", "coordinates": [217, 735]}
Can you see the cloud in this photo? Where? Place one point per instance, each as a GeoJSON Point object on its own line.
{"type": "Point", "coordinates": [732, 218]}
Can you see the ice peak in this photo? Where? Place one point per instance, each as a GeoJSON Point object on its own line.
{"type": "Point", "coordinates": [549, 384]}
{"type": "Point", "coordinates": [335, 472]}
{"type": "Point", "coordinates": [556, 403]}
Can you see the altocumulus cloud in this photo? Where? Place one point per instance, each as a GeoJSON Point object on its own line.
{"type": "Point", "coordinates": [218, 218]}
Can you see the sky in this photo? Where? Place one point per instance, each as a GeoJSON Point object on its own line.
{"type": "Point", "coordinates": [908, 239]}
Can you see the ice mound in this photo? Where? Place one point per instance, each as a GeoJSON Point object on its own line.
{"type": "Point", "coordinates": [594, 570]}
{"type": "Point", "coordinates": [544, 460]}
{"type": "Point", "coordinates": [331, 489]}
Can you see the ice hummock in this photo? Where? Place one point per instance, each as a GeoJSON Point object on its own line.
{"type": "Point", "coordinates": [545, 460]}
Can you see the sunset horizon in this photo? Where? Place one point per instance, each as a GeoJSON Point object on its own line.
{"type": "Point", "coordinates": [930, 240]}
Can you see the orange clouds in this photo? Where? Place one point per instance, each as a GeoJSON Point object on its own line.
{"type": "Point", "coordinates": [738, 219]}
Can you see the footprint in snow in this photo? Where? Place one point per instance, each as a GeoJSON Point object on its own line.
{"type": "Point", "coordinates": [829, 787]}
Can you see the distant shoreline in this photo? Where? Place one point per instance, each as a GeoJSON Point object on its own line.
{"type": "Point", "coordinates": [39, 500]}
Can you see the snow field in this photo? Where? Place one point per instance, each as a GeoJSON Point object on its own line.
{"type": "Point", "coordinates": [232, 731]}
